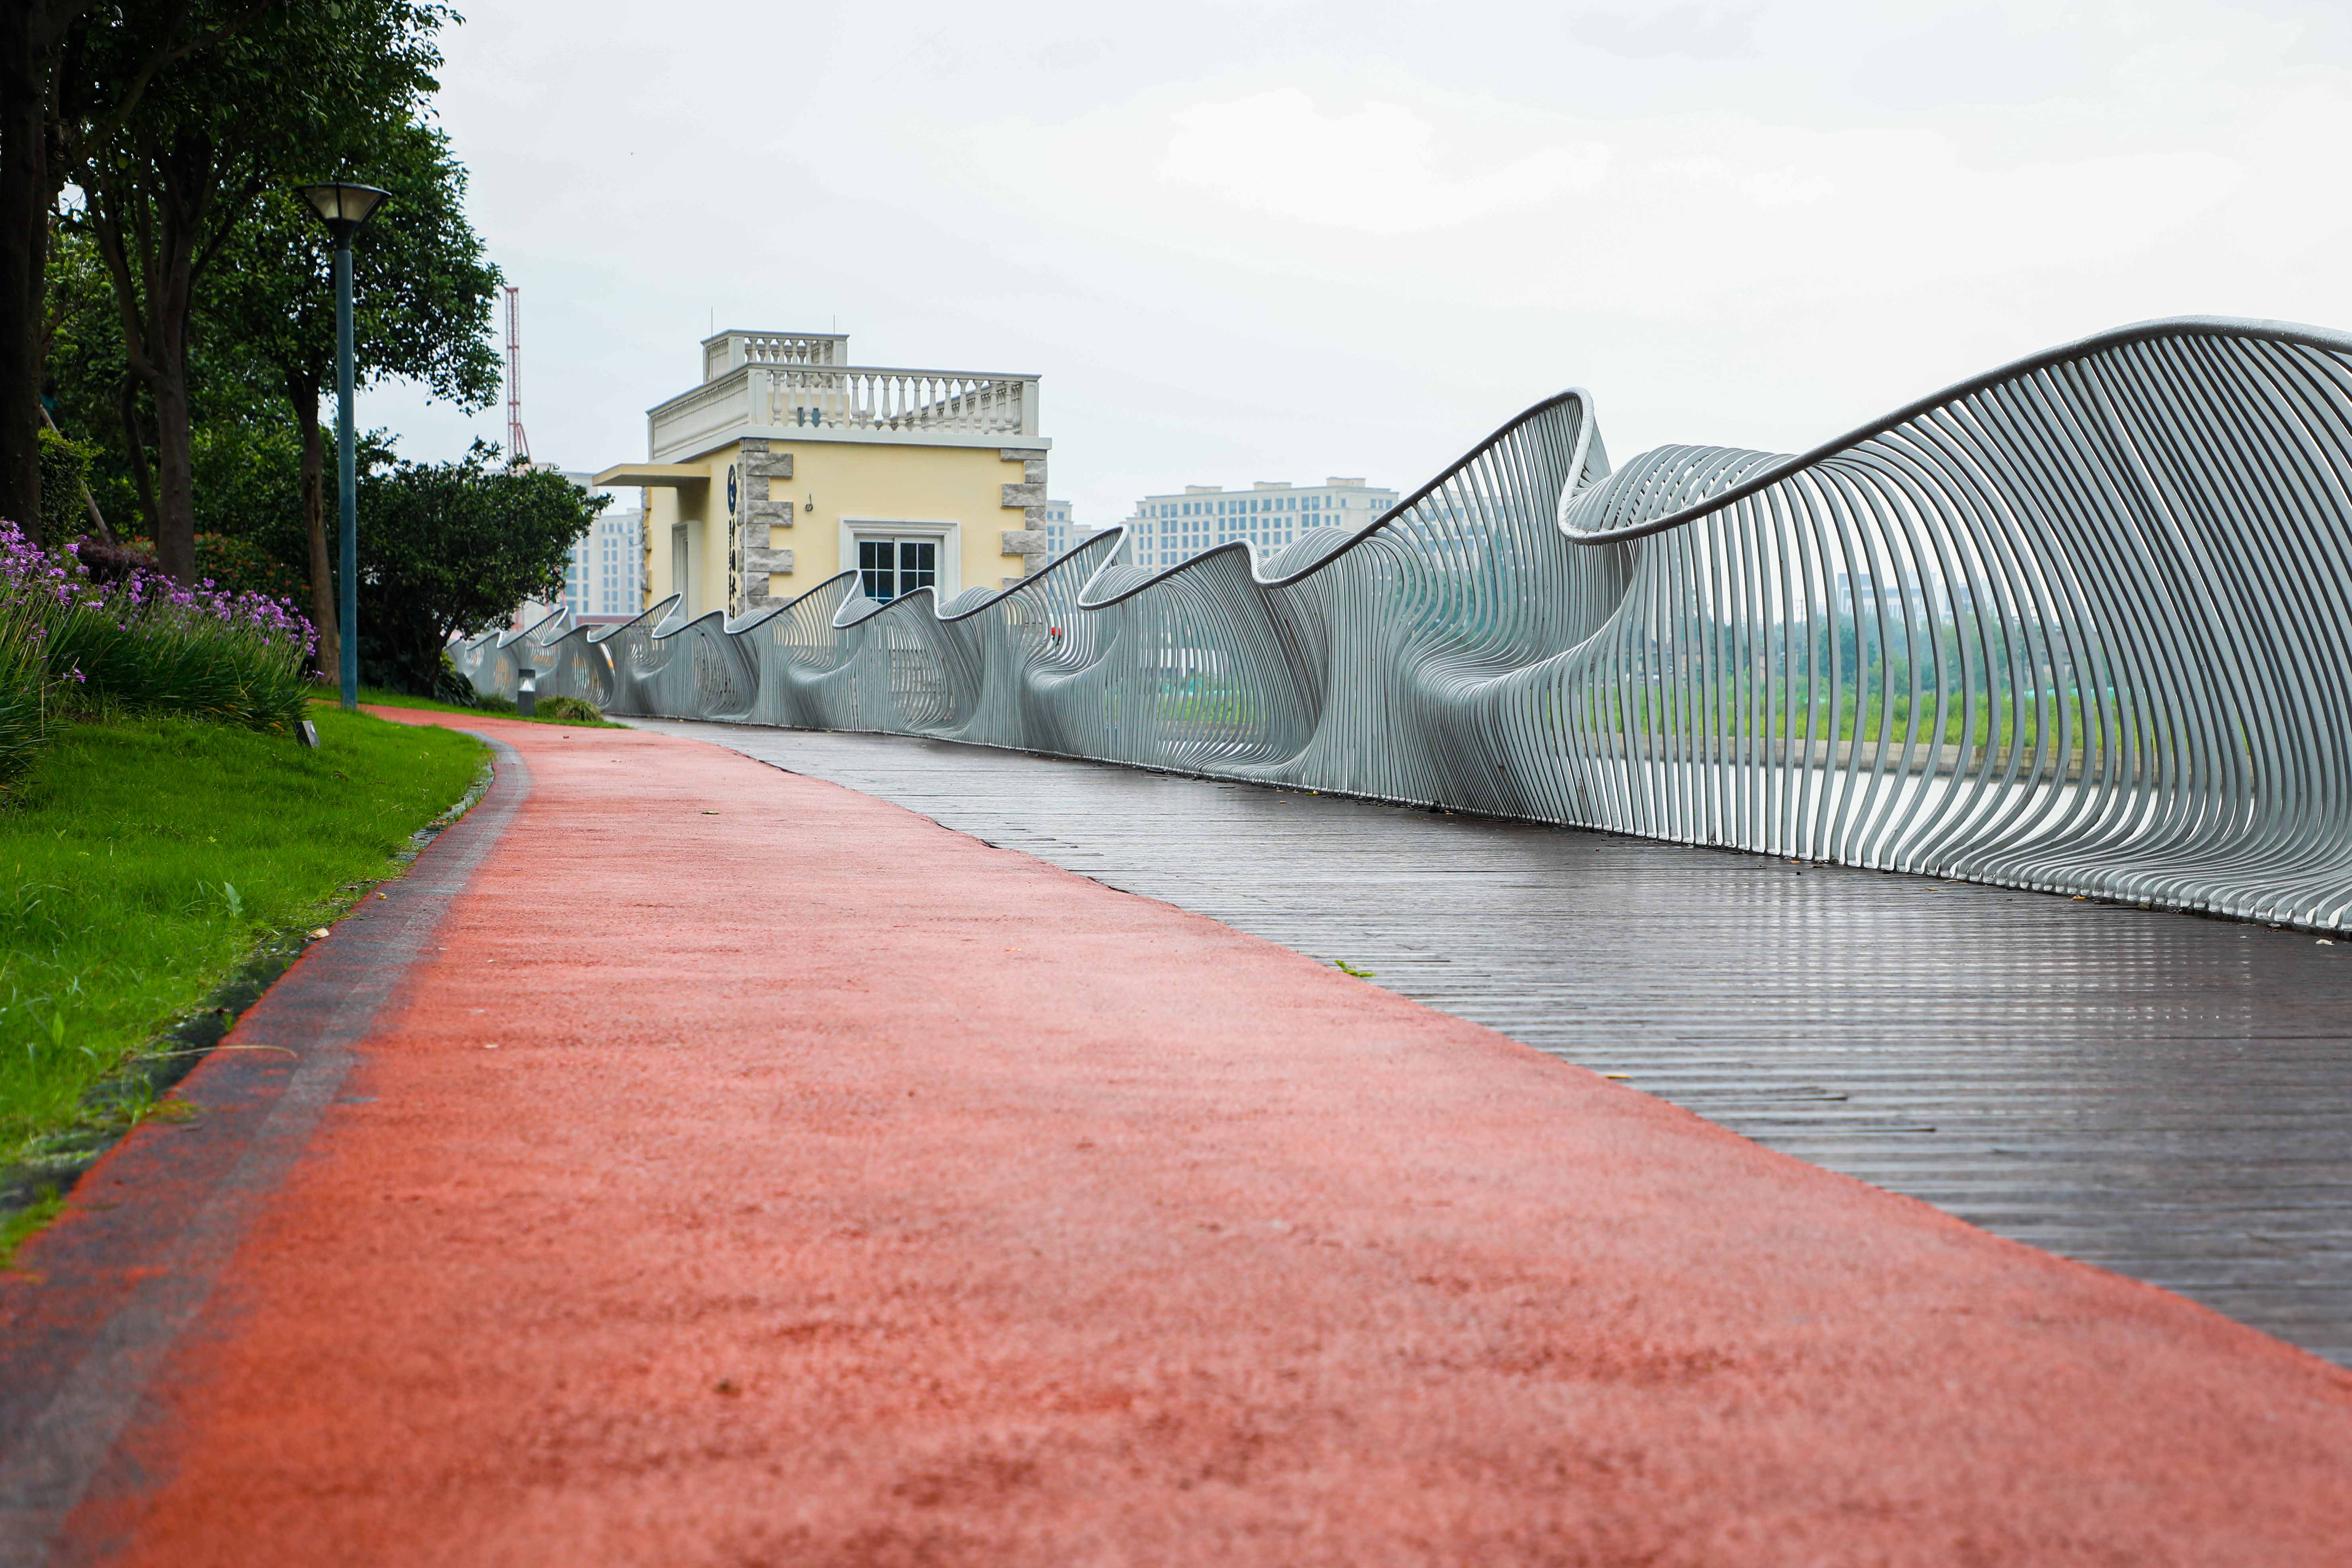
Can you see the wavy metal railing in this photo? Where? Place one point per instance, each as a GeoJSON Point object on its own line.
{"type": "Point", "coordinates": [2082, 624]}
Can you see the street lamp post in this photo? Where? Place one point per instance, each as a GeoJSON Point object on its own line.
{"type": "Point", "coordinates": [346, 209]}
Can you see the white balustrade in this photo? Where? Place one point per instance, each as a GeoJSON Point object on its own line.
{"type": "Point", "coordinates": [733, 349]}
{"type": "Point", "coordinates": [911, 400]}
{"type": "Point", "coordinates": [783, 398]}
{"type": "Point", "coordinates": [790, 348]}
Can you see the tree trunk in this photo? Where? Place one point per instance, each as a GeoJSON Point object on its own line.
{"type": "Point", "coordinates": [154, 285]}
{"type": "Point", "coordinates": [304, 394]}
{"type": "Point", "coordinates": [28, 44]}
{"type": "Point", "coordinates": [175, 471]}
{"type": "Point", "coordinates": [135, 449]}
{"type": "Point", "coordinates": [168, 309]}
{"type": "Point", "coordinates": [44, 123]}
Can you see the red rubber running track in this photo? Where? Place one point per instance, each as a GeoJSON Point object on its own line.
{"type": "Point", "coordinates": [842, 1190]}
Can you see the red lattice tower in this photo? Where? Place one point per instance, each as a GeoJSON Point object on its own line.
{"type": "Point", "coordinates": [518, 444]}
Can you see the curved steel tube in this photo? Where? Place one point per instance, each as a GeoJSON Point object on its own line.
{"type": "Point", "coordinates": [2079, 623]}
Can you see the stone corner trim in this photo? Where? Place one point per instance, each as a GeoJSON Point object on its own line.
{"type": "Point", "coordinates": [1031, 487]}
{"type": "Point", "coordinates": [761, 465]}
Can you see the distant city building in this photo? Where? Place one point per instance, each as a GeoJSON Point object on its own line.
{"type": "Point", "coordinates": [604, 576]}
{"type": "Point", "coordinates": [1175, 527]}
{"type": "Point", "coordinates": [1061, 536]}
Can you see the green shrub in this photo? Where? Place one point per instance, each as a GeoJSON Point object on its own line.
{"type": "Point", "coordinates": [569, 710]}
{"type": "Point", "coordinates": [243, 566]}
{"type": "Point", "coordinates": [452, 549]}
{"type": "Point", "coordinates": [108, 630]}
{"type": "Point", "coordinates": [23, 726]}
{"type": "Point", "coordinates": [65, 469]}
{"type": "Point", "coordinates": [24, 669]}
{"type": "Point", "coordinates": [491, 702]}
{"type": "Point", "coordinates": [235, 565]}
{"type": "Point", "coordinates": [451, 686]}
{"type": "Point", "coordinates": [153, 646]}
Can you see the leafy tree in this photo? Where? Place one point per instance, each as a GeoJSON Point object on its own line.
{"type": "Point", "coordinates": [240, 431]}
{"type": "Point", "coordinates": [88, 390]}
{"type": "Point", "coordinates": [423, 297]}
{"type": "Point", "coordinates": [245, 450]}
{"type": "Point", "coordinates": [248, 485]}
{"type": "Point", "coordinates": [292, 93]}
{"type": "Point", "coordinates": [71, 74]}
{"type": "Point", "coordinates": [453, 548]}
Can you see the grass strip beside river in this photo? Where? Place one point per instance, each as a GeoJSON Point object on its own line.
{"type": "Point", "coordinates": [143, 861]}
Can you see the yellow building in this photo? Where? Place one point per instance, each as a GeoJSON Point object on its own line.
{"type": "Point", "coordinates": [788, 465]}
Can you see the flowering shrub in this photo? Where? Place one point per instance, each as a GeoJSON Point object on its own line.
{"type": "Point", "coordinates": [237, 565]}
{"type": "Point", "coordinates": [128, 635]}
{"type": "Point", "coordinates": [23, 670]}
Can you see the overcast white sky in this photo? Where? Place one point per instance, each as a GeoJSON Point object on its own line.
{"type": "Point", "coordinates": [1286, 240]}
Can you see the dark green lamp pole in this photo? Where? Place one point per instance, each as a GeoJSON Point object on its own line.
{"type": "Point", "coordinates": [346, 209]}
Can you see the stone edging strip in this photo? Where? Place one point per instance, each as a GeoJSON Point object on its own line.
{"type": "Point", "coordinates": [98, 1300]}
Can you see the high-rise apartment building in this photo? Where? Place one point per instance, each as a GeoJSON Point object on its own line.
{"type": "Point", "coordinates": [604, 576]}
{"type": "Point", "coordinates": [1061, 534]}
{"type": "Point", "coordinates": [1175, 527]}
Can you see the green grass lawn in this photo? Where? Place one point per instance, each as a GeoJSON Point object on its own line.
{"type": "Point", "coordinates": [368, 694]}
{"type": "Point", "coordinates": [144, 861]}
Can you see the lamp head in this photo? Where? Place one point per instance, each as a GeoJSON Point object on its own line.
{"type": "Point", "coordinates": [346, 208]}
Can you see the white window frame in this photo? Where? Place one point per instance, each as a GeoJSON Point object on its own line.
{"type": "Point", "coordinates": [948, 581]}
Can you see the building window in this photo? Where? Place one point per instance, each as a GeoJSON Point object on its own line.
{"type": "Point", "coordinates": [889, 567]}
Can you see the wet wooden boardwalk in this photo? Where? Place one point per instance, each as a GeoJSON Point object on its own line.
{"type": "Point", "coordinates": [2162, 1095]}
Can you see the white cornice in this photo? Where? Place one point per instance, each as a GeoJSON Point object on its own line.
{"type": "Point", "coordinates": [788, 434]}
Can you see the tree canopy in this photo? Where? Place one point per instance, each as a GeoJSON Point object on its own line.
{"type": "Point", "coordinates": [423, 293]}
{"type": "Point", "coordinates": [423, 299]}
{"type": "Point", "coordinates": [453, 548]}
{"type": "Point", "coordinates": [53, 109]}
{"type": "Point", "coordinates": [178, 322]}
{"type": "Point", "coordinates": [287, 91]}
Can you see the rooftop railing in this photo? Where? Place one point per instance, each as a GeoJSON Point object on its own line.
{"type": "Point", "coordinates": [851, 400]}
{"type": "Point", "coordinates": [733, 349]}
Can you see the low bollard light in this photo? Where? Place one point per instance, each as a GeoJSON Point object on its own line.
{"type": "Point", "coordinates": [526, 691]}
